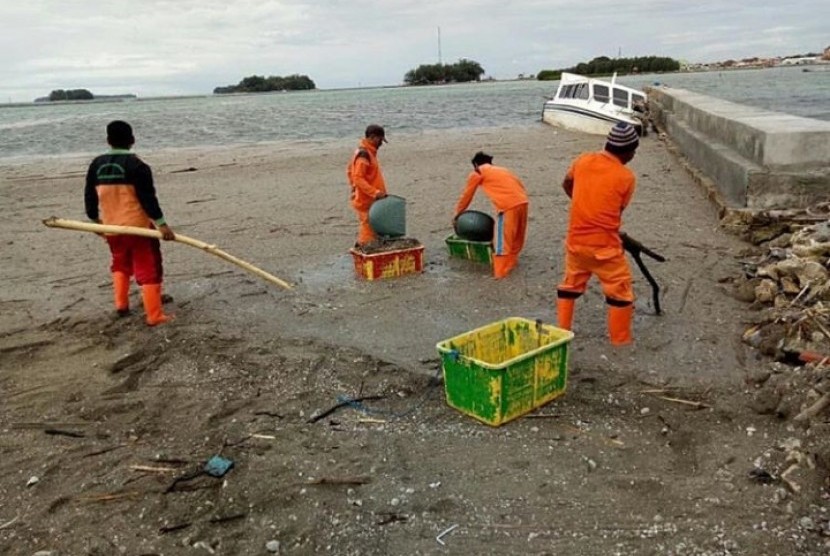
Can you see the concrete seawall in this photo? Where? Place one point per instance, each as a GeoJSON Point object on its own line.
{"type": "Point", "coordinates": [756, 159]}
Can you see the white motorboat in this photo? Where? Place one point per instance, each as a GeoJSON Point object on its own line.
{"type": "Point", "coordinates": [594, 106]}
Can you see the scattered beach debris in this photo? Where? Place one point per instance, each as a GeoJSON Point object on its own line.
{"type": "Point", "coordinates": [343, 403]}
{"type": "Point", "coordinates": [151, 469]}
{"type": "Point", "coordinates": [694, 404]}
{"type": "Point", "coordinates": [339, 481]}
{"type": "Point", "coordinates": [109, 496]}
{"type": "Point", "coordinates": [9, 523]}
{"type": "Point", "coordinates": [217, 466]}
{"type": "Point", "coordinates": [62, 432]}
{"type": "Point", "coordinates": [392, 517]}
{"type": "Point", "coordinates": [445, 532]}
{"type": "Point", "coordinates": [761, 475]}
{"type": "Point", "coordinates": [788, 282]}
{"type": "Point", "coordinates": [226, 518]}
{"type": "Point", "coordinates": [176, 527]}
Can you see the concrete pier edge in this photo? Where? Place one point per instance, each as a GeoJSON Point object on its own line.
{"type": "Point", "coordinates": [745, 158]}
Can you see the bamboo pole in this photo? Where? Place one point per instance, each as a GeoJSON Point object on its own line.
{"type": "Point", "coordinates": [55, 222]}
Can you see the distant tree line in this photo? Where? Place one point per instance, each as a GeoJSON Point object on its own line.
{"type": "Point", "coordinates": [260, 84]}
{"type": "Point", "coordinates": [70, 94]}
{"type": "Point", "coordinates": [603, 65]}
{"type": "Point", "coordinates": [430, 74]}
{"type": "Point", "coordinates": [80, 94]}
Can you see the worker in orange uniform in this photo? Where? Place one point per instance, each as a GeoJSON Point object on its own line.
{"type": "Point", "coordinates": [600, 187]}
{"type": "Point", "coordinates": [121, 185]}
{"type": "Point", "coordinates": [507, 193]}
{"type": "Point", "coordinates": [366, 180]}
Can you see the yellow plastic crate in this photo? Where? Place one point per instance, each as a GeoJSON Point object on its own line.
{"type": "Point", "coordinates": [505, 369]}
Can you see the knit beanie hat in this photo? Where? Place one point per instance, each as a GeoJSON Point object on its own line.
{"type": "Point", "coordinates": [622, 138]}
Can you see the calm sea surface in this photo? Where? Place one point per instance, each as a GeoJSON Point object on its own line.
{"type": "Point", "coordinates": [64, 129]}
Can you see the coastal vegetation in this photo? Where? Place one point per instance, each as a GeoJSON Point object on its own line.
{"type": "Point", "coordinates": [62, 95]}
{"type": "Point", "coordinates": [431, 74]}
{"type": "Point", "coordinates": [603, 65]}
{"type": "Point", "coordinates": [70, 94]}
{"type": "Point", "coordinates": [260, 84]}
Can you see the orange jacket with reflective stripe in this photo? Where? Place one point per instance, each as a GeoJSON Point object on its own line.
{"type": "Point", "coordinates": [119, 191]}
{"type": "Point", "coordinates": [501, 186]}
{"type": "Point", "coordinates": [365, 176]}
{"type": "Point", "coordinates": [602, 188]}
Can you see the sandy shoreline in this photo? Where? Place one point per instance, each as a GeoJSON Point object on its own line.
{"type": "Point", "coordinates": [286, 211]}
{"type": "Point", "coordinates": [244, 357]}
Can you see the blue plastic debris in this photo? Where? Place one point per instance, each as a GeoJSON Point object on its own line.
{"type": "Point", "coordinates": [217, 466]}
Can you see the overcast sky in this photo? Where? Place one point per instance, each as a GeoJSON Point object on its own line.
{"type": "Point", "coordinates": [172, 47]}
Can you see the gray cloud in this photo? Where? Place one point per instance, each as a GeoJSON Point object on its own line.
{"type": "Point", "coordinates": [156, 47]}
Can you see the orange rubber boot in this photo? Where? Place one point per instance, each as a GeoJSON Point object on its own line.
{"type": "Point", "coordinates": [121, 291]}
{"type": "Point", "coordinates": [503, 265]}
{"type": "Point", "coordinates": [619, 324]}
{"type": "Point", "coordinates": [565, 312]}
{"type": "Point", "coordinates": [151, 295]}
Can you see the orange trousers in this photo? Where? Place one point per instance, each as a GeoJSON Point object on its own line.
{"type": "Point", "coordinates": [610, 266]}
{"type": "Point", "coordinates": [365, 233]}
{"type": "Point", "coordinates": [509, 240]}
{"type": "Point", "coordinates": [136, 255]}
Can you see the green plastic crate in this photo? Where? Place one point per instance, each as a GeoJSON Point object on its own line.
{"type": "Point", "coordinates": [478, 251]}
{"type": "Point", "coordinates": [505, 369]}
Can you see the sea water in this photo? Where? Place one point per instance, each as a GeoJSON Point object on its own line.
{"type": "Point", "coordinates": [319, 116]}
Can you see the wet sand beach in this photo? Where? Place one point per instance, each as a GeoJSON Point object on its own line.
{"type": "Point", "coordinates": [610, 467]}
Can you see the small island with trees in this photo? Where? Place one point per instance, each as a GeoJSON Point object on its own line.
{"type": "Point", "coordinates": [603, 65]}
{"type": "Point", "coordinates": [260, 84]}
{"type": "Point", "coordinates": [462, 71]}
{"type": "Point", "coordinates": [68, 95]}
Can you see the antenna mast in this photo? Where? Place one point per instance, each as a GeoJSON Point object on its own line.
{"type": "Point", "coordinates": [439, 45]}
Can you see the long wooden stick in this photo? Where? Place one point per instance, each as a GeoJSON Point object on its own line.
{"type": "Point", "coordinates": [54, 222]}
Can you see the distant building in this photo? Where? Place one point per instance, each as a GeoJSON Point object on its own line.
{"type": "Point", "coordinates": [826, 55]}
{"type": "Point", "coordinates": [799, 61]}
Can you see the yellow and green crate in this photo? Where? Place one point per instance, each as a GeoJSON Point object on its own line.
{"type": "Point", "coordinates": [505, 369]}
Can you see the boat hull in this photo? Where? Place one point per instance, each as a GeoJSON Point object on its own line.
{"type": "Point", "coordinates": [576, 119]}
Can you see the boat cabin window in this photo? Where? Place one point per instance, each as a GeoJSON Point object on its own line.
{"type": "Point", "coordinates": [601, 93]}
{"type": "Point", "coordinates": [621, 98]}
{"type": "Point", "coordinates": [573, 91]}
{"type": "Point", "coordinates": [579, 90]}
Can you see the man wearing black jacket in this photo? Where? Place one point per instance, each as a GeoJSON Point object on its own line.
{"type": "Point", "coordinates": [119, 191]}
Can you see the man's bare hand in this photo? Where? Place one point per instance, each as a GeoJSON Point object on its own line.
{"type": "Point", "coordinates": [166, 233]}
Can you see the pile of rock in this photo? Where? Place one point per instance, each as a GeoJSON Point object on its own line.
{"type": "Point", "coordinates": [790, 281]}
